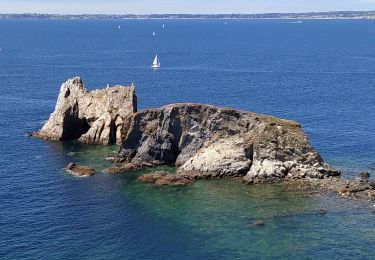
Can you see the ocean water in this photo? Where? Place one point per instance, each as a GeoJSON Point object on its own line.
{"type": "Point", "coordinates": [320, 73]}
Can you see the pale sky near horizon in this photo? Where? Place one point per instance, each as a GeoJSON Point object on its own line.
{"type": "Point", "coordinates": [180, 6]}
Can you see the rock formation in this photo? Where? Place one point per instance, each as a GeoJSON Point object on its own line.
{"type": "Point", "coordinates": [203, 141]}
{"type": "Point", "coordinates": [79, 171]}
{"type": "Point", "coordinates": [208, 141]}
{"type": "Point", "coordinates": [94, 117]}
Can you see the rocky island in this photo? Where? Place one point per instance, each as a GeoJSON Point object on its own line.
{"type": "Point", "coordinates": [203, 141]}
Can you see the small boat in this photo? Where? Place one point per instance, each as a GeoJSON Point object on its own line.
{"type": "Point", "coordinates": [153, 33]}
{"type": "Point", "coordinates": [119, 27]}
{"type": "Point", "coordinates": [156, 63]}
{"type": "Point", "coordinates": [297, 21]}
{"type": "Point", "coordinates": [163, 26]}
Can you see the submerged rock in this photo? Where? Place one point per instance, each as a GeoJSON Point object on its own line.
{"type": "Point", "coordinates": [321, 211]}
{"type": "Point", "coordinates": [347, 188]}
{"type": "Point", "coordinates": [364, 175]}
{"type": "Point", "coordinates": [161, 178]}
{"type": "Point", "coordinates": [128, 167]}
{"type": "Point", "coordinates": [79, 171]}
{"type": "Point", "coordinates": [259, 223]}
{"type": "Point", "coordinates": [94, 117]}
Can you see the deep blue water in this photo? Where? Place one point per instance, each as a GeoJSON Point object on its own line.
{"type": "Point", "coordinates": [320, 73]}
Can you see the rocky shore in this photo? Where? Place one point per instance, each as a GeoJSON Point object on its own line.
{"type": "Point", "coordinates": [202, 141]}
{"type": "Point", "coordinates": [356, 188]}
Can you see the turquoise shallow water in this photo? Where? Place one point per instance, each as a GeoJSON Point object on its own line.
{"type": "Point", "coordinates": [320, 73]}
{"type": "Point", "coordinates": [115, 216]}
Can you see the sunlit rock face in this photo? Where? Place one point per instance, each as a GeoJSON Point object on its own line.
{"type": "Point", "coordinates": [94, 117]}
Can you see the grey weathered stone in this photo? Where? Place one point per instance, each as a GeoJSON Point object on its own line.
{"type": "Point", "coordinates": [223, 157]}
{"type": "Point", "coordinates": [94, 117]}
{"type": "Point", "coordinates": [221, 142]}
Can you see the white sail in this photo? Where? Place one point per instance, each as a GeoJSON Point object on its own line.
{"type": "Point", "coordinates": [156, 63]}
{"type": "Point", "coordinates": [155, 60]}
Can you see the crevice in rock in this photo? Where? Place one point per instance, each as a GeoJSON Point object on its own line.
{"type": "Point", "coordinates": [112, 131]}
{"type": "Point", "coordinates": [249, 151]}
{"type": "Point", "coordinates": [73, 127]}
{"type": "Point", "coordinates": [67, 93]}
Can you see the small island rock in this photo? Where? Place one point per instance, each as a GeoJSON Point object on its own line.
{"type": "Point", "coordinates": [79, 171]}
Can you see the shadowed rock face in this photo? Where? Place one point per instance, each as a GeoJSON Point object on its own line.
{"type": "Point", "coordinates": [94, 117]}
{"type": "Point", "coordinates": [218, 142]}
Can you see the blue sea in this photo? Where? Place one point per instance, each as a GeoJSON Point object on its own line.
{"type": "Point", "coordinates": [320, 73]}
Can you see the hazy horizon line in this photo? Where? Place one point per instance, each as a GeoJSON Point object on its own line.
{"type": "Point", "coordinates": [145, 14]}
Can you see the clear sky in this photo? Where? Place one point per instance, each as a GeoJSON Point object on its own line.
{"type": "Point", "coordinates": [180, 6]}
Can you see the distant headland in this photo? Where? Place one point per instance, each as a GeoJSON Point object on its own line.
{"type": "Point", "coordinates": [308, 15]}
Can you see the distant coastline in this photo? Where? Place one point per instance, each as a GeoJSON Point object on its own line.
{"type": "Point", "coordinates": [309, 15]}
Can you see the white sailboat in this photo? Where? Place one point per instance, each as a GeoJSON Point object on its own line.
{"type": "Point", "coordinates": [163, 26]}
{"type": "Point", "coordinates": [153, 33]}
{"type": "Point", "coordinates": [156, 63]}
{"type": "Point", "coordinates": [119, 27]}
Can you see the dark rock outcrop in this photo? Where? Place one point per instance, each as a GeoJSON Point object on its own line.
{"type": "Point", "coordinates": [221, 142]}
{"type": "Point", "coordinates": [94, 117]}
